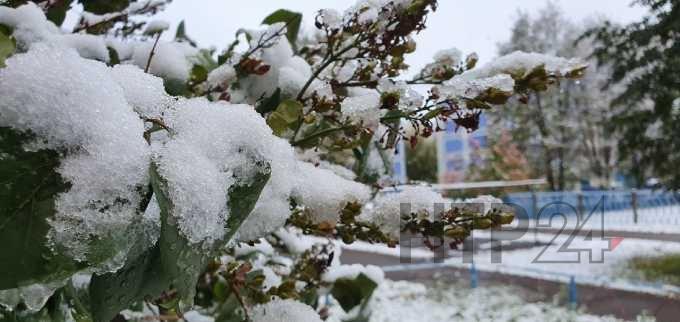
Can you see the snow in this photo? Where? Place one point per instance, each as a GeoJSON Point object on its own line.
{"type": "Point", "coordinates": [143, 91]}
{"type": "Point", "coordinates": [414, 253]}
{"type": "Point", "coordinates": [287, 71]}
{"type": "Point", "coordinates": [556, 264]}
{"type": "Point", "coordinates": [220, 77]}
{"type": "Point", "coordinates": [284, 311]}
{"type": "Point", "coordinates": [325, 193]}
{"type": "Point", "coordinates": [262, 256]}
{"type": "Point", "coordinates": [195, 316]}
{"type": "Point", "coordinates": [485, 200]}
{"type": "Point", "coordinates": [142, 4]}
{"type": "Point", "coordinates": [209, 145]}
{"type": "Point", "coordinates": [29, 24]}
{"type": "Point", "coordinates": [294, 242]}
{"type": "Point", "coordinates": [330, 18]}
{"type": "Point", "coordinates": [375, 11]}
{"type": "Point", "coordinates": [207, 149]}
{"type": "Point", "coordinates": [156, 26]}
{"type": "Point", "coordinates": [271, 210]}
{"type": "Point", "coordinates": [385, 209]}
{"type": "Point", "coordinates": [171, 60]}
{"type": "Point", "coordinates": [33, 296]}
{"type": "Point", "coordinates": [88, 46]}
{"type": "Point", "coordinates": [363, 108]}
{"type": "Point", "coordinates": [521, 63]}
{"type": "Point", "coordinates": [450, 57]}
{"type": "Point", "coordinates": [408, 301]}
{"type": "Point", "coordinates": [263, 247]}
{"type": "Point", "coordinates": [74, 105]}
{"type": "Point", "coordinates": [409, 99]}
{"type": "Point", "coordinates": [92, 19]}
{"type": "Point", "coordinates": [352, 271]}
{"type": "Point", "coordinates": [368, 16]}
{"type": "Point", "coordinates": [472, 88]}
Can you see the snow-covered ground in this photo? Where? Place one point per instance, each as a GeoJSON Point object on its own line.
{"type": "Point", "coordinates": [595, 261]}
{"type": "Point", "coordinates": [406, 301]}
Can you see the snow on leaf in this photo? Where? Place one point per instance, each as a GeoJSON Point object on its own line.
{"type": "Point", "coordinates": [73, 107]}
{"type": "Point", "coordinates": [284, 311]}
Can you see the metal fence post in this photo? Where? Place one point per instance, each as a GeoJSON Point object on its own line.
{"type": "Point", "coordinates": [634, 201]}
{"type": "Point", "coordinates": [573, 294]}
{"type": "Point", "coordinates": [473, 276]}
{"type": "Point", "coordinates": [534, 214]}
{"type": "Point", "coordinates": [534, 204]}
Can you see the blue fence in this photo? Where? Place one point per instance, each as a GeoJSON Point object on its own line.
{"type": "Point", "coordinates": [632, 203]}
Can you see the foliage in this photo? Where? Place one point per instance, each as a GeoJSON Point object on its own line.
{"type": "Point", "coordinates": [664, 268]}
{"type": "Point", "coordinates": [644, 59]}
{"type": "Point", "coordinates": [504, 162]}
{"type": "Point", "coordinates": [421, 161]}
{"type": "Point", "coordinates": [322, 106]}
{"type": "Point", "coordinates": [28, 202]}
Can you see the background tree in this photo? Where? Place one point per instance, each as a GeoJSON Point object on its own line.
{"type": "Point", "coordinates": [567, 139]}
{"type": "Point", "coordinates": [421, 161]}
{"type": "Point", "coordinates": [645, 58]}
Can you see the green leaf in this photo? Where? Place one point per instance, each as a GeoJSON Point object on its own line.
{"type": "Point", "coordinates": [393, 115]}
{"type": "Point", "coordinates": [113, 292]}
{"type": "Point", "coordinates": [57, 11]}
{"type": "Point", "coordinates": [176, 87]}
{"type": "Point", "coordinates": [114, 58]}
{"type": "Point", "coordinates": [352, 292]}
{"type": "Point", "coordinates": [244, 195]}
{"type": "Point", "coordinates": [494, 96]}
{"type": "Point", "coordinates": [30, 185]}
{"type": "Point", "coordinates": [198, 74]}
{"type": "Point", "coordinates": [7, 45]}
{"type": "Point", "coordinates": [270, 103]}
{"type": "Point", "coordinates": [104, 6]}
{"type": "Point", "coordinates": [77, 299]}
{"type": "Point", "coordinates": [139, 277]}
{"type": "Point", "coordinates": [291, 18]}
{"type": "Point", "coordinates": [432, 113]}
{"type": "Point", "coordinates": [181, 262]}
{"type": "Point", "coordinates": [205, 59]}
{"type": "Point", "coordinates": [285, 116]}
{"type": "Point", "coordinates": [181, 34]}
{"type": "Point", "coordinates": [230, 310]}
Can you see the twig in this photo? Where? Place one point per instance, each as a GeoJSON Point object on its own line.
{"type": "Point", "coordinates": [318, 134]}
{"type": "Point", "coordinates": [153, 51]}
{"type": "Point", "coordinates": [331, 59]}
{"type": "Point", "coordinates": [261, 42]}
{"type": "Point", "coordinates": [240, 300]}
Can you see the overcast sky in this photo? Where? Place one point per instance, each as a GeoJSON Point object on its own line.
{"type": "Point", "coordinates": [470, 25]}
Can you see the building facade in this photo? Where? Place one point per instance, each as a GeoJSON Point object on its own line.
{"type": "Point", "coordinates": [457, 150]}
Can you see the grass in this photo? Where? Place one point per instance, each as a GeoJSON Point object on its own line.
{"type": "Point", "coordinates": [665, 268]}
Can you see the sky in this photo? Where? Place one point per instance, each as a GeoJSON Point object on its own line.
{"type": "Point", "coordinates": [469, 25]}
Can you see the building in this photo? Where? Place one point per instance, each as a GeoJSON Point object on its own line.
{"type": "Point", "coordinates": [399, 164]}
{"type": "Point", "coordinates": [457, 150]}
